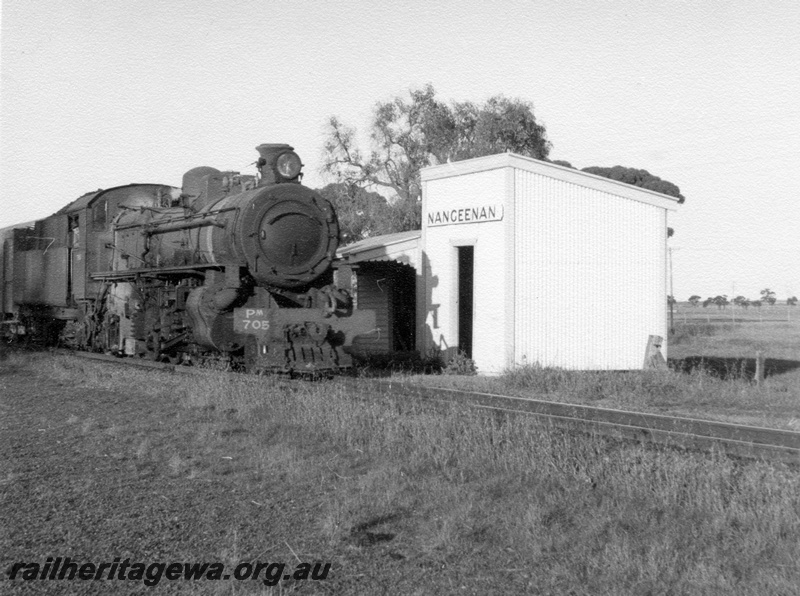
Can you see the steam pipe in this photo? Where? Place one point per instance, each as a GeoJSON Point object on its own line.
{"type": "Point", "coordinates": [188, 225]}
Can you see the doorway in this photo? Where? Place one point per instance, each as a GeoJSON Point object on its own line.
{"type": "Point", "coordinates": [466, 267]}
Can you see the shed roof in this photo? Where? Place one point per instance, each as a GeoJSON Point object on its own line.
{"type": "Point", "coordinates": [551, 170]}
{"type": "Point", "coordinates": [402, 247]}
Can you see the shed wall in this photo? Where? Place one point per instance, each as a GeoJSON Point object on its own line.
{"type": "Point", "coordinates": [373, 295]}
{"type": "Point", "coordinates": [590, 282]}
{"type": "Point", "coordinates": [7, 272]}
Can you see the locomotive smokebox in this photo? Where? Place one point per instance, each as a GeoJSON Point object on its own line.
{"type": "Point", "coordinates": [289, 235]}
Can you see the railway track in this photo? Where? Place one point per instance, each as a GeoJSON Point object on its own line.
{"type": "Point", "coordinates": [737, 440]}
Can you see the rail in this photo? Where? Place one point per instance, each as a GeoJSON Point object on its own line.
{"type": "Point", "coordinates": [705, 435]}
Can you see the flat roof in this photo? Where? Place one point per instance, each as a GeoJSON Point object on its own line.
{"type": "Point", "coordinates": [551, 170]}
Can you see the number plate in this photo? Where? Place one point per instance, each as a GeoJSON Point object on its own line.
{"type": "Point", "coordinates": [254, 321]}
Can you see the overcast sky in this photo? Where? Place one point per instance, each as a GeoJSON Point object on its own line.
{"type": "Point", "coordinates": [705, 94]}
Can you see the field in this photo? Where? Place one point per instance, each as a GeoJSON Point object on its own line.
{"type": "Point", "coordinates": [101, 462]}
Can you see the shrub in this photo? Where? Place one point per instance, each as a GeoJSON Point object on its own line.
{"type": "Point", "coordinates": [461, 364]}
{"type": "Point", "coordinates": [686, 332]}
{"type": "Point", "coordinates": [396, 362]}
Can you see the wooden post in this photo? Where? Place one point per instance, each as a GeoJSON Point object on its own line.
{"type": "Point", "coordinates": [672, 315]}
{"type": "Point", "coordinates": [759, 368]}
{"type": "Point", "coordinates": [653, 358]}
{"type": "Point", "coordinates": [672, 297]}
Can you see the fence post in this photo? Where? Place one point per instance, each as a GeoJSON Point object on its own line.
{"type": "Point", "coordinates": [759, 367]}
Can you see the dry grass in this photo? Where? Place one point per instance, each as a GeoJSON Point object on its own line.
{"type": "Point", "coordinates": [400, 497]}
{"type": "Point", "coordinates": [711, 376]}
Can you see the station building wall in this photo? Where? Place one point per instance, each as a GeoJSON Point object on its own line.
{"type": "Point", "coordinates": [483, 191]}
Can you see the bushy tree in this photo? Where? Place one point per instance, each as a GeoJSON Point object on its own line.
{"type": "Point", "coordinates": [741, 302]}
{"type": "Point", "coordinates": [640, 178]}
{"type": "Point", "coordinates": [791, 301]}
{"type": "Point", "coordinates": [409, 133]}
{"type": "Point", "coordinates": [361, 213]}
{"type": "Point", "coordinates": [561, 162]}
{"type": "Point", "coordinates": [694, 299]}
{"type": "Point", "coordinates": [768, 296]}
{"type": "Point", "coordinates": [500, 124]}
{"type": "Point", "coordinates": [720, 301]}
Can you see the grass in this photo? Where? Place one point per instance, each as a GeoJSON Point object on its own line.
{"type": "Point", "coordinates": [400, 498]}
{"type": "Point", "coordinates": [712, 366]}
{"type": "Point", "coordinates": [686, 313]}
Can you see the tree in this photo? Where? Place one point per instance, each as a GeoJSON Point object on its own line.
{"type": "Point", "coordinates": [640, 178]}
{"type": "Point", "coordinates": [741, 302]}
{"type": "Point", "coordinates": [361, 213]}
{"type": "Point", "coordinates": [499, 125]}
{"type": "Point", "coordinates": [408, 134]}
{"type": "Point", "coordinates": [694, 299]}
{"type": "Point", "coordinates": [768, 296]}
{"type": "Point", "coordinates": [561, 162]}
{"type": "Point", "coordinates": [721, 301]}
{"type": "Point", "coordinates": [671, 300]}
{"type": "Point", "coordinates": [791, 301]}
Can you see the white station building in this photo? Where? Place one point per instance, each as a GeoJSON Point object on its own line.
{"type": "Point", "coordinates": [520, 261]}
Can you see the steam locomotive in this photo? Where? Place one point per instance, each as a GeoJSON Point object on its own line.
{"type": "Point", "coordinates": [230, 269]}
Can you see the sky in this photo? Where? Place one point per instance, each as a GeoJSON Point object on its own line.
{"type": "Point", "coordinates": [704, 94]}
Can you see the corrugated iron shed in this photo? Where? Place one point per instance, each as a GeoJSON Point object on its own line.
{"type": "Point", "coordinates": [565, 269]}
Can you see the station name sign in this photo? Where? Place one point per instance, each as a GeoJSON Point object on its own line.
{"type": "Point", "coordinates": [465, 215]}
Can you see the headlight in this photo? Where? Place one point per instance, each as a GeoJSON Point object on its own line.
{"type": "Point", "coordinates": [288, 164]}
